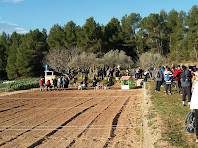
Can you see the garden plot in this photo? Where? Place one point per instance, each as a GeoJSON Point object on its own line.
{"type": "Point", "coordinates": [71, 118]}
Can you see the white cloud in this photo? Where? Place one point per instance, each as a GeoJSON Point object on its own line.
{"type": "Point", "coordinates": [9, 28]}
{"type": "Point", "coordinates": [13, 1]}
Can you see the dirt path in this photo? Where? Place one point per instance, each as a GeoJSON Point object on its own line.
{"type": "Point", "coordinates": [71, 118]}
{"type": "Point", "coordinates": [152, 127]}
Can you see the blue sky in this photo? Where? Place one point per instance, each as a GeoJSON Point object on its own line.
{"type": "Point", "coordinates": [25, 15]}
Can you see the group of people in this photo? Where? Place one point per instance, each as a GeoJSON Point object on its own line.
{"type": "Point", "coordinates": [186, 79]}
{"type": "Point", "coordinates": [138, 73]}
{"type": "Point", "coordinates": [101, 73]}
{"type": "Point", "coordinates": [61, 83]}
{"type": "Point", "coordinates": [182, 76]}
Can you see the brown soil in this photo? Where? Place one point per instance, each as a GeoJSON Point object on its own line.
{"type": "Point", "coordinates": [152, 127]}
{"type": "Point", "coordinates": [71, 118]}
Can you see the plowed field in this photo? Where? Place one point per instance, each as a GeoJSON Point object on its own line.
{"type": "Point", "coordinates": [71, 118]}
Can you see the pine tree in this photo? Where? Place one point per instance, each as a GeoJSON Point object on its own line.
{"type": "Point", "coordinates": [30, 54]}
{"type": "Point", "coordinates": [55, 37]}
{"type": "Point", "coordinates": [70, 39]}
{"type": "Point", "coordinates": [11, 68]}
{"type": "Point", "coordinates": [4, 39]}
{"type": "Point", "coordinates": [113, 35]}
{"type": "Point", "coordinates": [90, 37]}
{"type": "Point", "coordinates": [23, 62]}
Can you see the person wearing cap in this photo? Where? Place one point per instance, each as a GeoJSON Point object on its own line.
{"type": "Point", "coordinates": [194, 103]}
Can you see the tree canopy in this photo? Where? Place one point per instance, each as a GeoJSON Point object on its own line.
{"type": "Point", "coordinates": [171, 34]}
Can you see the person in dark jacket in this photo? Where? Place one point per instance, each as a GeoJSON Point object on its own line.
{"type": "Point", "coordinates": [185, 78]}
{"type": "Point", "coordinates": [55, 83]}
{"type": "Point", "coordinates": [86, 79]}
{"type": "Point", "coordinates": [66, 83]}
{"type": "Point", "coordinates": [117, 73]}
{"type": "Point", "coordinates": [158, 78]}
{"type": "Point", "coordinates": [94, 81]}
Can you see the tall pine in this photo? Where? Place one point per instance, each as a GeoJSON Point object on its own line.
{"type": "Point", "coordinates": [11, 68]}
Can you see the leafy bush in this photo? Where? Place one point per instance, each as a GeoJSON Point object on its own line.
{"type": "Point", "coordinates": [20, 84]}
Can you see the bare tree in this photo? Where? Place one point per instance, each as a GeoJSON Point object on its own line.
{"type": "Point", "coordinates": [63, 60]}
{"type": "Point", "coordinates": [116, 57]}
{"type": "Point", "coordinates": [83, 60]}
{"type": "Point", "coordinates": [151, 60]}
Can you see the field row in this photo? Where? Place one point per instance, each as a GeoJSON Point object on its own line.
{"type": "Point", "coordinates": [85, 119]}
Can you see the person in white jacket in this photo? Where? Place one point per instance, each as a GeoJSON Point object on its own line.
{"type": "Point", "coordinates": [168, 77]}
{"type": "Point", "coordinates": [194, 103]}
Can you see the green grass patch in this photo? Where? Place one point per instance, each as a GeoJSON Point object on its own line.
{"type": "Point", "coordinates": [172, 113]}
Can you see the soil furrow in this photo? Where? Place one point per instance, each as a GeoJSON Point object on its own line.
{"type": "Point", "coordinates": [70, 145]}
{"type": "Point", "coordinates": [35, 111]}
{"type": "Point", "coordinates": [60, 127]}
{"type": "Point", "coordinates": [114, 124]}
{"type": "Point", "coordinates": [11, 126]}
{"type": "Point", "coordinates": [12, 108]}
{"type": "Point", "coordinates": [71, 118]}
{"type": "Point", "coordinates": [4, 105]}
{"type": "Point", "coordinates": [20, 135]}
{"type": "Point", "coordinates": [43, 122]}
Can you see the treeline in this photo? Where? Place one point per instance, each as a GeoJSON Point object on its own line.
{"type": "Point", "coordinates": [173, 35]}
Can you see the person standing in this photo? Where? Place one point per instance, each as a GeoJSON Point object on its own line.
{"type": "Point", "coordinates": [66, 83]}
{"type": "Point", "coordinates": [145, 76]}
{"type": "Point", "coordinates": [173, 70]}
{"type": "Point", "coordinates": [94, 81]}
{"type": "Point", "coordinates": [118, 73]}
{"type": "Point", "coordinates": [192, 74]}
{"type": "Point", "coordinates": [134, 73]}
{"type": "Point", "coordinates": [75, 79]}
{"type": "Point", "coordinates": [153, 73]}
{"type": "Point", "coordinates": [55, 83]}
{"type": "Point", "coordinates": [194, 104]}
{"type": "Point", "coordinates": [86, 79]}
{"type": "Point", "coordinates": [104, 72]}
{"type": "Point", "coordinates": [127, 72]}
{"type": "Point", "coordinates": [41, 85]}
{"type": "Point", "coordinates": [110, 80]}
{"type": "Point", "coordinates": [158, 78]}
{"type": "Point", "coordinates": [63, 80]}
{"type": "Point", "coordinates": [138, 73]}
{"type": "Point", "coordinates": [168, 77]}
{"type": "Point", "coordinates": [60, 82]}
{"type": "Point", "coordinates": [177, 78]}
{"type": "Point", "coordinates": [48, 84]}
{"type": "Point", "coordinates": [186, 85]}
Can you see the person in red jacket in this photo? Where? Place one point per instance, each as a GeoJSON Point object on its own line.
{"type": "Point", "coordinates": [41, 85]}
{"type": "Point", "coordinates": [177, 74]}
{"type": "Point", "coordinates": [48, 84]}
{"type": "Point", "coordinates": [173, 70]}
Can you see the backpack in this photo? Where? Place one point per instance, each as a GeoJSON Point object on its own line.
{"type": "Point", "coordinates": [190, 123]}
{"type": "Point", "coordinates": [167, 78]}
{"type": "Point", "coordinates": [157, 74]}
{"type": "Point", "coordinates": [185, 76]}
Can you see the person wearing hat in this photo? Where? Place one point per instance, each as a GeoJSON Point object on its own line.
{"type": "Point", "coordinates": [194, 103]}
